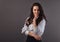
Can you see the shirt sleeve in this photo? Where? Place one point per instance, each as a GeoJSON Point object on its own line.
{"type": "Point", "coordinates": [25, 28]}
{"type": "Point", "coordinates": [41, 27]}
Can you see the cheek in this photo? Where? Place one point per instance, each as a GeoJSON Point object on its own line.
{"type": "Point", "coordinates": [34, 12]}
{"type": "Point", "coordinates": [38, 12]}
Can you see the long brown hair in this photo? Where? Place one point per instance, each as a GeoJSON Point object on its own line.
{"type": "Point", "coordinates": [41, 15]}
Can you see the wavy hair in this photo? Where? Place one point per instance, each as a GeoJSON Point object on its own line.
{"type": "Point", "coordinates": [41, 15]}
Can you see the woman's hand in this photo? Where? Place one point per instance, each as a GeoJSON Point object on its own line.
{"type": "Point", "coordinates": [37, 37]}
{"type": "Point", "coordinates": [34, 22]}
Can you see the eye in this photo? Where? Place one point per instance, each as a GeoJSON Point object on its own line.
{"type": "Point", "coordinates": [34, 9]}
{"type": "Point", "coordinates": [38, 9]}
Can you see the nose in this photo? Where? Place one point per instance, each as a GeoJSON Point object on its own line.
{"type": "Point", "coordinates": [36, 11]}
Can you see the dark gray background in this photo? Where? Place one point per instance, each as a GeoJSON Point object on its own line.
{"type": "Point", "coordinates": [14, 12]}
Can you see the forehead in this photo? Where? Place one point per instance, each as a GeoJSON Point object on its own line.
{"type": "Point", "coordinates": [35, 7]}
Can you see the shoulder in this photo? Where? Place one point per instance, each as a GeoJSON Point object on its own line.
{"type": "Point", "coordinates": [43, 21]}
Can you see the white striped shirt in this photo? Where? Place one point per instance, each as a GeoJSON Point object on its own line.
{"type": "Point", "coordinates": [39, 30]}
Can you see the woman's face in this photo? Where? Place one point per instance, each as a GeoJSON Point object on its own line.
{"type": "Point", "coordinates": [36, 11]}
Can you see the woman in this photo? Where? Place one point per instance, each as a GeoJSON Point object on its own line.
{"type": "Point", "coordinates": [34, 25]}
